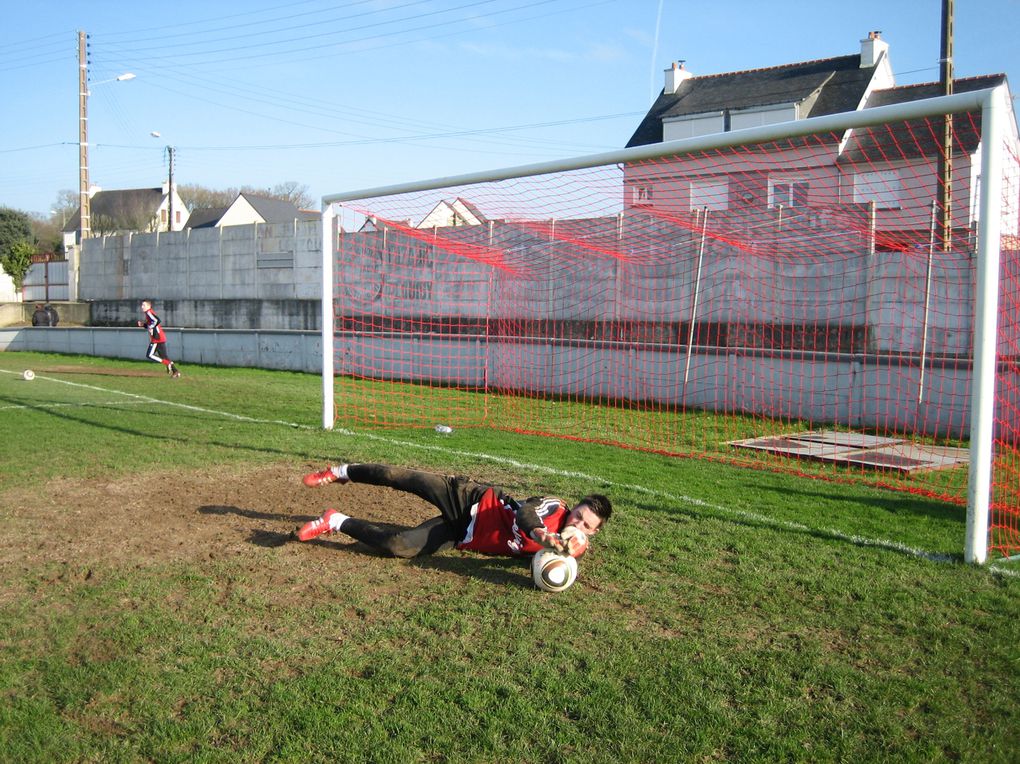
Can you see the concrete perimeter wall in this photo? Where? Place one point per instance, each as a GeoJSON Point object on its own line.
{"type": "Point", "coordinates": [243, 315]}
{"type": "Point", "coordinates": [283, 350]}
{"type": "Point", "coordinates": [278, 261]}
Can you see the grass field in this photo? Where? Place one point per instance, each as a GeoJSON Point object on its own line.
{"type": "Point", "coordinates": [153, 608]}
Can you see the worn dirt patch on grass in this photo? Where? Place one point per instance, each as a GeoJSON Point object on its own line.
{"type": "Point", "coordinates": [70, 529]}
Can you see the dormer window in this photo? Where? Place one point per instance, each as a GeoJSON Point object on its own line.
{"type": "Point", "coordinates": [763, 115]}
{"type": "Point", "coordinates": [693, 125]}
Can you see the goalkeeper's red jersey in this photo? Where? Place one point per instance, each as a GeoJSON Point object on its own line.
{"type": "Point", "coordinates": [493, 527]}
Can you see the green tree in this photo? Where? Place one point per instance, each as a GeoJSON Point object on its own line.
{"type": "Point", "coordinates": [17, 260]}
{"type": "Point", "coordinates": [14, 226]}
{"type": "Point", "coordinates": [16, 244]}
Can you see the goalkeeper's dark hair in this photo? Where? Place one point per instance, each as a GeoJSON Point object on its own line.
{"type": "Point", "coordinates": [598, 504]}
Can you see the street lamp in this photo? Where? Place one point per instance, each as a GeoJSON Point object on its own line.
{"type": "Point", "coordinates": [120, 78]}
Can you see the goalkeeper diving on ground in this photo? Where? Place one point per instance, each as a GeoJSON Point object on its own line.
{"type": "Point", "coordinates": [473, 516]}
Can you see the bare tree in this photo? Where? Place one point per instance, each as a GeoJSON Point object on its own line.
{"type": "Point", "coordinates": [196, 196]}
{"type": "Point", "coordinates": [292, 191]}
{"type": "Point", "coordinates": [65, 206]}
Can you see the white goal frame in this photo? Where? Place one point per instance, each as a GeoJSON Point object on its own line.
{"type": "Point", "coordinates": [993, 104]}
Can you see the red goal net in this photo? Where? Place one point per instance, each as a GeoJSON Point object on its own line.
{"type": "Point", "coordinates": [806, 304]}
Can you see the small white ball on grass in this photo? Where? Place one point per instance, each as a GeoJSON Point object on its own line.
{"type": "Point", "coordinates": [29, 375]}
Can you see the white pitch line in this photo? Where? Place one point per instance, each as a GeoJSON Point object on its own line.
{"type": "Point", "coordinates": [893, 546]}
{"type": "Point", "coordinates": [147, 399]}
{"type": "Point", "coordinates": [82, 404]}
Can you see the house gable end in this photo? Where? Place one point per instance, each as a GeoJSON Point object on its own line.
{"type": "Point", "coordinates": [913, 138]}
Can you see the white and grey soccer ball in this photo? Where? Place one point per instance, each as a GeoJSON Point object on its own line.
{"type": "Point", "coordinates": [28, 375]}
{"type": "Point", "coordinates": [553, 572]}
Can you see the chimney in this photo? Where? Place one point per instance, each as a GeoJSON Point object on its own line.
{"type": "Point", "coordinates": [872, 49]}
{"type": "Point", "coordinates": [674, 76]}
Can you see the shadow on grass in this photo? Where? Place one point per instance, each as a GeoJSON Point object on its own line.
{"type": "Point", "coordinates": [177, 416]}
{"type": "Point", "coordinates": [497, 570]}
{"type": "Point", "coordinates": [505, 571]}
{"type": "Point", "coordinates": [759, 518]}
{"type": "Point", "coordinates": [897, 503]}
{"type": "Point", "coordinates": [251, 514]}
{"type": "Point", "coordinates": [262, 537]}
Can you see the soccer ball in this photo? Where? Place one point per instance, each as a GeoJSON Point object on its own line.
{"type": "Point", "coordinates": [29, 375]}
{"type": "Point", "coordinates": [572, 531]}
{"type": "Point", "coordinates": [553, 572]}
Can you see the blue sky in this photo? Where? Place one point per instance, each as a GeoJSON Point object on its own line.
{"type": "Point", "coordinates": [340, 96]}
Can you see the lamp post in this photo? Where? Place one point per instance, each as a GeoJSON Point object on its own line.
{"type": "Point", "coordinates": [84, 208]}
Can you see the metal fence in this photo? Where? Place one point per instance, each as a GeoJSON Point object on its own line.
{"type": "Point", "coordinates": [46, 282]}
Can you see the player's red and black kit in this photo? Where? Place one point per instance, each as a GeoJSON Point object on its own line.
{"type": "Point", "coordinates": [157, 342]}
{"type": "Point", "coordinates": [474, 516]}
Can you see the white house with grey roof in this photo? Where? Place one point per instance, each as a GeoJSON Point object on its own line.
{"type": "Point", "coordinates": [857, 167]}
{"type": "Point", "coordinates": [130, 210]}
{"type": "Point", "coordinates": [250, 208]}
{"type": "Point", "coordinates": [456, 213]}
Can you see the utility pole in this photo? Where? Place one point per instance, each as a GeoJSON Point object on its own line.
{"type": "Point", "coordinates": [170, 191]}
{"type": "Point", "coordinates": [945, 164]}
{"type": "Point", "coordinates": [83, 137]}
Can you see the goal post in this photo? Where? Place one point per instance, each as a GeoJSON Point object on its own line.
{"type": "Point", "coordinates": [326, 318]}
{"type": "Point", "coordinates": [739, 296]}
{"type": "Point", "coordinates": [986, 307]}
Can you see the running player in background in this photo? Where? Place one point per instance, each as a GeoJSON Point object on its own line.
{"type": "Point", "coordinates": [157, 340]}
{"type": "Point", "coordinates": [475, 516]}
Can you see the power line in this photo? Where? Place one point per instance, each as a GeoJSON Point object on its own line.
{"type": "Point", "coordinates": [231, 29]}
{"type": "Point", "coordinates": [304, 48]}
{"type": "Point", "coordinates": [204, 23]}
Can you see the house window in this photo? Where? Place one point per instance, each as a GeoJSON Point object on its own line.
{"type": "Point", "coordinates": [162, 216]}
{"type": "Point", "coordinates": [882, 187]}
{"type": "Point", "coordinates": [713, 193]}
{"type": "Point", "coordinates": [642, 196]}
{"type": "Point", "coordinates": [177, 216]}
{"type": "Point", "coordinates": [788, 192]}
